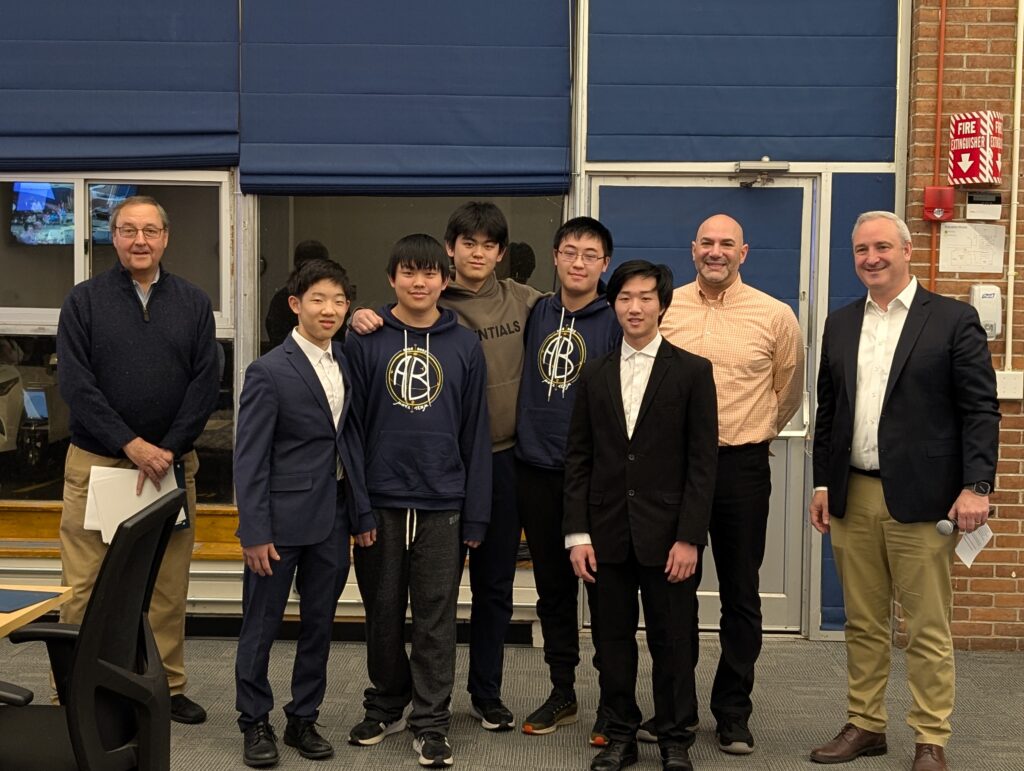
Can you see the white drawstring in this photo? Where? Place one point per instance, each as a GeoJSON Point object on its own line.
{"type": "Point", "coordinates": [410, 527]}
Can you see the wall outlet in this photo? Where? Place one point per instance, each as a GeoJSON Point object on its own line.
{"type": "Point", "coordinates": [1009, 385]}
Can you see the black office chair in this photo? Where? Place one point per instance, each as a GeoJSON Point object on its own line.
{"type": "Point", "coordinates": [115, 709]}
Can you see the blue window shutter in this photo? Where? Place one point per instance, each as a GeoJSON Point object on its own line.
{"type": "Point", "coordinates": [405, 97]}
{"type": "Point", "coordinates": [796, 80]}
{"type": "Point", "coordinates": [108, 84]}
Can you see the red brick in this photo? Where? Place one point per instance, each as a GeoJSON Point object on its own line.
{"type": "Point", "coordinates": [1008, 629]}
{"type": "Point", "coordinates": [975, 600]}
{"type": "Point", "coordinates": [1014, 600]}
{"type": "Point", "coordinates": [971, 629]}
{"type": "Point", "coordinates": [1008, 615]}
{"type": "Point", "coordinates": [993, 585]}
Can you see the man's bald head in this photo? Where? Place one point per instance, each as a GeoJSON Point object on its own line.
{"type": "Point", "coordinates": [718, 252]}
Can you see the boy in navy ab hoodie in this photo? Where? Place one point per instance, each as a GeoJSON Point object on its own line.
{"type": "Point", "coordinates": [564, 331]}
{"type": "Point", "coordinates": [419, 392]}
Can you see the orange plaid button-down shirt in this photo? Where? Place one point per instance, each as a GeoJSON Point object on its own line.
{"type": "Point", "coordinates": [755, 346]}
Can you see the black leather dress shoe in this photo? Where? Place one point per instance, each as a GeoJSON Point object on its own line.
{"type": "Point", "coordinates": [303, 736]}
{"type": "Point", "coordinates": [615, 756]}
{"type": "Point", "coordinates": [184, 710]}
{"type": "Point", "coordinates": [259, 745]}
{"type": "Point", "coordinates": [675, 758]}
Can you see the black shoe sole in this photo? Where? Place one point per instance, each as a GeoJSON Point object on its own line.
{"type": "Point", "coordinates": [185, 720]}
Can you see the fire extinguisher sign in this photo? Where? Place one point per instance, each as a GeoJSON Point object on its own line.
{"type": "Point", "coordinates": [975, 148]}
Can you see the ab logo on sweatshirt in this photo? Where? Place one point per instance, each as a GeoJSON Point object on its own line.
{"type": "Point", "coordinates": [561, 358]}
{"type": "Point", "coordinates": [414, 378]}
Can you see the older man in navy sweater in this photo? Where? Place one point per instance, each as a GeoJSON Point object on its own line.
{"type": "Point", "coordinates": [139, 372]}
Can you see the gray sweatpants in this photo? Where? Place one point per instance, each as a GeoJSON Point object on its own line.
{"type": "Point", "coordinates": [415, 560]}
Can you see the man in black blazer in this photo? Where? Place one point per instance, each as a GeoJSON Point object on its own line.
{"type": "Point", "coordinates": [906, 434]}
{"type": "Point", "coordinates": [639, 477]}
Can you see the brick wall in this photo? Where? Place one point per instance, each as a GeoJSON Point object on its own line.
{"type": "Point", "coordinates": [988, 608]}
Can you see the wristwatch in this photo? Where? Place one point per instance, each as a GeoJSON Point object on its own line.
{"type": "Point", "coordinates": [979, 488]}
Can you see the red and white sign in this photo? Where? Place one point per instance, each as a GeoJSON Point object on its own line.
{"type": "Point", "coordinates": [976, 148]}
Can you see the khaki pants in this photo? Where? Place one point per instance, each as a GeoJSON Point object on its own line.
{"type": "Point", "coordinates": [875, 554]}
{"type": "Point", "coordinates": [82, 551]}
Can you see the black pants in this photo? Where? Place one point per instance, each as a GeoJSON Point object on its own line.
{"type": "Point", "coordinates": [320, 571]}
{"type": "Point", "coordinates": [668, 613]}
{"type": "Point", "coordinates": [400, 570]}
{"type": "Point", "coordinates": [540, 509]}
{"type": "Point", "coordinates": [739, 521]}
{"type": "Point", "coordinates": [492, 571]}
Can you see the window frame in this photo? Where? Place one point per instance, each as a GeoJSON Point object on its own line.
{"type": "Point", "coordinates": [43, 321]}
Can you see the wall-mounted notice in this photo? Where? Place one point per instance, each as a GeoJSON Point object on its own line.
{"type": "Point", "coordinates": [968, 247]}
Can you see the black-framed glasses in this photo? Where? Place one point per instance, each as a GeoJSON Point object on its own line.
{"type": "Point", "coordinates": [130, 231]}
{"type": "Point", "coordinates": [570, 255]}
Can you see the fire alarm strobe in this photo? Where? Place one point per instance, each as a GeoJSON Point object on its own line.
{"type": "Point", "coordinates": [976, 148]}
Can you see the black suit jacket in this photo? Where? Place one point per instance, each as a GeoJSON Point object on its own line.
{"type": "Point", "coordinates": [939, 426]}
{"type": "Point", "coordinates": [656, 488]}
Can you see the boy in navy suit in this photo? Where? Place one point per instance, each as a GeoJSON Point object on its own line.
{"type": "Point", "coordinates": [300, 487]}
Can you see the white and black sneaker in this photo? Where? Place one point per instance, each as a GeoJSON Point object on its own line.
{"type": "Point", "coordinates": [371, 731]}
{"type": "Point", "coordinates": [433, 749]}
{"type": "Point", "coordinates": [492, 714]}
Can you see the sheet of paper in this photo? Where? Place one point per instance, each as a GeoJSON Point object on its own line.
{"type": "Point", "coordinates": [968, 247]}
{"type": "Point", "coordinates": [112, 499]}
{"type": "Point", "coordinates": [972, 543]}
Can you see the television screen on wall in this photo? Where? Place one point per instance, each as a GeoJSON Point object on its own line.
{"type": "Point", "coordinates": [103, 199]}
{"type": "Point", "coordinates": [43, 213]}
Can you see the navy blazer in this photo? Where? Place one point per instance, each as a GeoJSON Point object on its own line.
{"type": "Point", "coordinates": [656, 487]}
{"type": "Point", "coordinates": [285, 453]}
{"type": "Point", "coordinates": [939, 426]}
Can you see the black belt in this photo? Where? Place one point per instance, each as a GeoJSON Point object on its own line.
{"type": "Point", "coordinates": [867, 472]}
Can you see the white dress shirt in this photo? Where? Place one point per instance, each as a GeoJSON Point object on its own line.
{"type": "Point", "coordinates": [879, 335]}
{"type": "Point", "coordinates": [634, 374]}
{"type": "Point", "coordinates": [329, 373]}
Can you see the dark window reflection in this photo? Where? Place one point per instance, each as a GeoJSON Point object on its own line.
{"type": "Point", "coordinates": [34, 425]}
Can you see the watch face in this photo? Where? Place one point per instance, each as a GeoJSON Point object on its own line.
{"type": "Point", "coordinates": [982, 488]}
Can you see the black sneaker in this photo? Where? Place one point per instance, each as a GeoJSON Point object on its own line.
{"type": "Point", "coordinates": [647, 733]}
{"type": "Point", "coordinates": [734, 737]}
{"type": "Point", "coordinates": [303, 736]}
{"type": "Point", "coordinates": [371, 731]}
{"type": "Point", "coordinates": [599, 733]}
{"type": "Point", "coordinates": [492, 714]}
{"type": "Point", "coordinates": [434, 749]}
{"type": "Point", "coordinates": [559, 709]}
{"type": "Point", "coordinates": [259, 745]}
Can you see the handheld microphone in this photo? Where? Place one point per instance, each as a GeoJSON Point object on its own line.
{"type": "Point", "coordinates": [946, 527]}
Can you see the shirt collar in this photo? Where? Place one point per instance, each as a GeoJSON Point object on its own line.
{"type": "Point", "coordinates": [904, 298]}
{"type": "Point", "coordinates": [734, 289]}
{"type": "Point", "coordinates": [313, 351]}
{"type": "Point", "coordinates": [138, 286]}
{"type": "Point", "coordinates": [651, 349]}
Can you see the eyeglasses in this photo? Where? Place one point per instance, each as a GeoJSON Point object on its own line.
{"type": "Point", "coordinates": [130, 231]}
{"type": "Point", "coordinates": [570, 255]}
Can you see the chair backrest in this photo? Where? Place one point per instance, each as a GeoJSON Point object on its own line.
{"type": "Point", "coordinates": [118, 704]}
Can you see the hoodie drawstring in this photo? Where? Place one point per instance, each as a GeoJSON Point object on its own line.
{"type": "Point", "coordinates": [553, 365]}
{"type": "Point", "coordinates": [405, 348]}
{"type": "Point", "coordinates": [410, 527]}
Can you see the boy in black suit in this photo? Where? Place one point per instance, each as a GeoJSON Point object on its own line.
{"type": "Point", "coordinates": [639, 478]}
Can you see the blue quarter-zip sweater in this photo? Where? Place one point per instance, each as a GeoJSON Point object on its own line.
{"type": "Point", "coordinates": [420, 396]}
{"type": "Point", "coordinates": [558, 343]}
{"type": "Point", "coordinates": [126, 371]}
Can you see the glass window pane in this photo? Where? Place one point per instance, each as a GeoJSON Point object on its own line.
{"type": "Point", "coordinates": [37, 243]}
{"type": "Point", "coordinates": [34, 433]}
{"type": "Point", "coordinates": [33, 420]}
{"type": "Point", "coordinates": [193, 246]}
{"type": "Point", "coordinates": [359, 232]}
{"type": "Point", "coordinates": [214, 446]}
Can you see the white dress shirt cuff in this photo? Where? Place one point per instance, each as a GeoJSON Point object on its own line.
{"type": "Point", "coordinates": [577, 539]}
{"type": "Point", "coordinates": [821, 489]}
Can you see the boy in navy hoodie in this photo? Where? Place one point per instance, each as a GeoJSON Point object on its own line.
{"type": "Point", "coordinates": [564, 331]}
{"type": "Point", "coordinates": [419, 390]}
